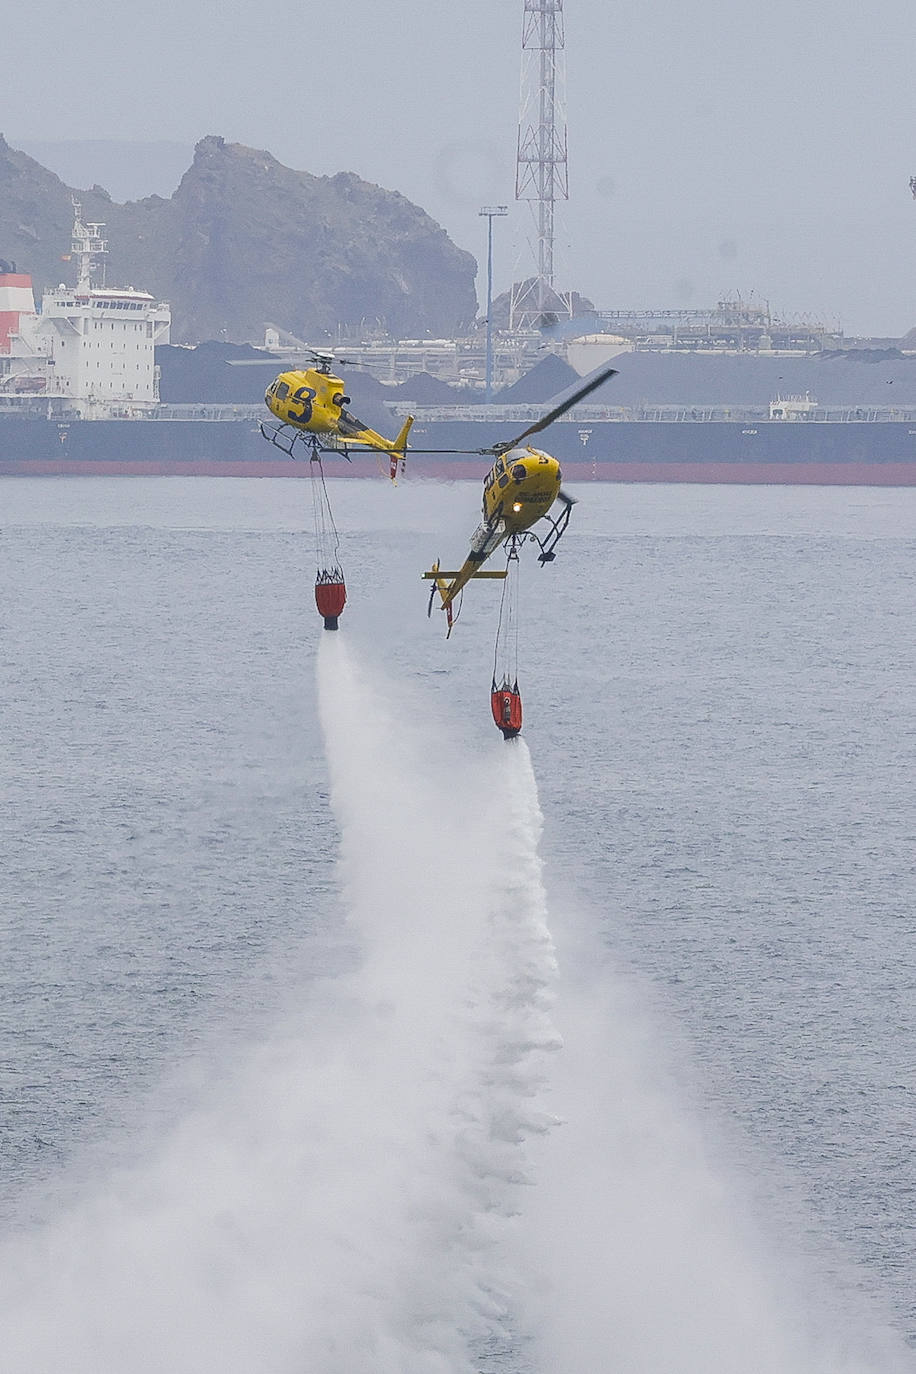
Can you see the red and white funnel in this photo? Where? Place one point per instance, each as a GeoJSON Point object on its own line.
{"type": "Point", "coordinates": [16, 300]}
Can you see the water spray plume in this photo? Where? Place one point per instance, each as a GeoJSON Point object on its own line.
{"type": "Point", "coordinates": [345, 1199]}
{"type": "Point", "coordinates": [381, 1185]}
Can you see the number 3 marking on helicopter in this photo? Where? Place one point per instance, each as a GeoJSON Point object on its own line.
{"type": "Point", "coordinates": [304, 395]}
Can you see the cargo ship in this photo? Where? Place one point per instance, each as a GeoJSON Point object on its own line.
{"type": "Point", "coordinates": [80, 394]}
{"type": "Point", "coordinates": [793, 440]}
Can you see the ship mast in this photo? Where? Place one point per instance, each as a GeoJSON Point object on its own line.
{"type": "Point", "coordinates": [86, 245]}
{"type": "Point", "coordinates": [541, 163]}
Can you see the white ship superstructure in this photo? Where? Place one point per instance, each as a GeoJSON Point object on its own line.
{"type": "Point", "coordinates": [90, 352]}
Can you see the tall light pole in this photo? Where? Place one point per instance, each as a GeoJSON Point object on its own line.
{"type": "Point", "coordinates": [492, 212]}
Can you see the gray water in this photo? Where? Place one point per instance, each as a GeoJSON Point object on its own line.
{"type": "Point", "coordinates": [719, 709]}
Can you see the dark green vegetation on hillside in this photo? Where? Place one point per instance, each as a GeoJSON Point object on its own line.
{"type": "Point", "coordinates": [246, 242]}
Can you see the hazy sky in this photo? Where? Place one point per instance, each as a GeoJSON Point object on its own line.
{"type": "Point", "coordinates": [715, 146]}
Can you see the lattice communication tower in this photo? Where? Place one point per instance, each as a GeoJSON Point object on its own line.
{"type": "Point", "coordinates": [541, 174]}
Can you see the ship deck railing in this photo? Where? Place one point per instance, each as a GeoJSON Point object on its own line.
{"type": "Point", "coordinates": [210, 411]}
{"type": "Point", "coordinates": [55, 408]}
{"type": "Point", "coordinates": [658, 414]}
{"type": "Point", "coordinates": [33, 407]}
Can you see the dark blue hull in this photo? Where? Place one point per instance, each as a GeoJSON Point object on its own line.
{"type": "Point", "coordinates": [715, 441]}
{"type": "Point", "coordinates": [867, 452]}
{"type": "Point", "coordinates": [116, 441]}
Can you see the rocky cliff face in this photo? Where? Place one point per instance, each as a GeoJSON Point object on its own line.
{"type": "Point", "coordinates": [245, 242]}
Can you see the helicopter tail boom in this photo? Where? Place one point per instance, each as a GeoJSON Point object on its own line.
{"type": "Point", "coordinates": [438, 573]}
{"type": "Point", "coordinates": [449, 583]}
{"type": "Point", "coordinates": [399, 448]}
{"type": "Point", "coordinates": [400, 443]}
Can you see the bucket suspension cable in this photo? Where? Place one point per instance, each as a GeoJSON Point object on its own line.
{"type": "Point", "coordinates": [327, 540]}
{"type": "Point", "coordinates": [505, 654]}
{"type": "Point", "coordinates": [330, 588]}
{"type": "Point", "coordinates": [505, 700]}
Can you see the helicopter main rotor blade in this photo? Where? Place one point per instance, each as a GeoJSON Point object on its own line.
{"type": "Point", "coordinates": [548, 419]}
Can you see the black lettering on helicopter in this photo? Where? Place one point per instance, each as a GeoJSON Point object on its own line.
{"type": "Point", "coordinates": [305, 395]}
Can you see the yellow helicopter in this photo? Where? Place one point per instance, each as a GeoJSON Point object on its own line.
{"type": "Point", "coordinates": [310, 408]}
{"type": "Point", "coordinates": [520, 489]}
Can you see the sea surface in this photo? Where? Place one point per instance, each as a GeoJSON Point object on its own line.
{"type": "Point", "coordinates": [214, 821]}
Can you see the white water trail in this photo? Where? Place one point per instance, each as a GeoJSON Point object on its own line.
{"type": "Point", "coordinates": [649, 1253]}
{"type": "Point", "coordinates": [353, 1196]}
{"type": "Point", "coordinates": [458, 979]}
{"type": "Point", "coordinates": [346, 1198]}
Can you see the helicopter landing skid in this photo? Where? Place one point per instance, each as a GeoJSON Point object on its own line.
{"type": "Point", "coordinates": [285, 439]}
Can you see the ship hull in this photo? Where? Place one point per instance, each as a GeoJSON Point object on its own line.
{"type": "Point", "coordinates": [773, 452]}
{"type": "Point", "coordinates": [644, 450]}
